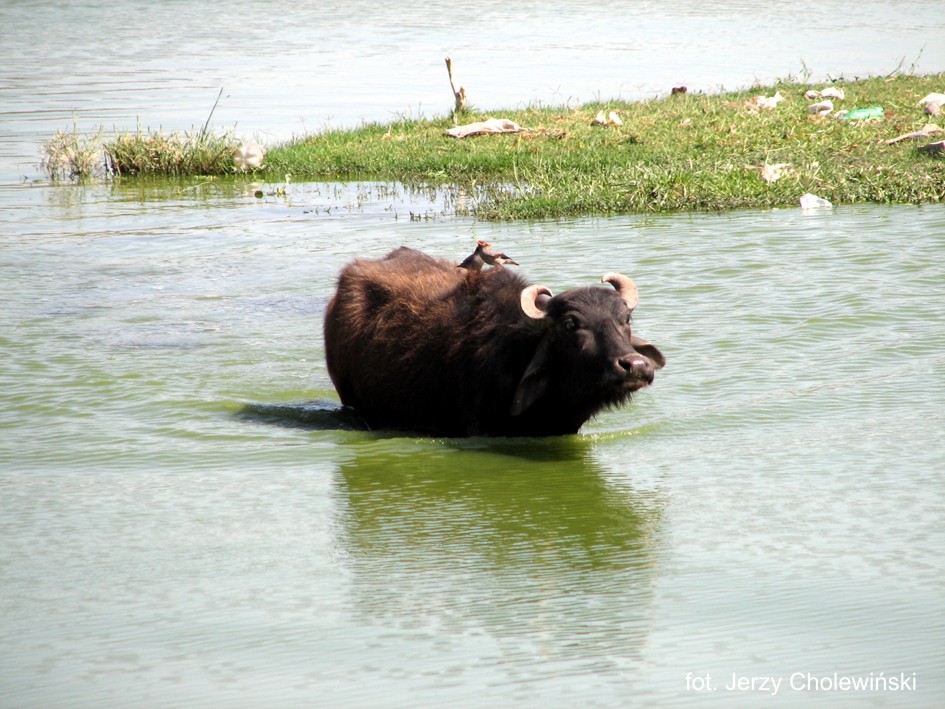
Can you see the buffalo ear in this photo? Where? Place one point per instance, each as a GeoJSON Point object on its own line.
{"type": "Point", "coordinates": [648, 350]}
{"type": "Point", "coordinates": [534, 383]}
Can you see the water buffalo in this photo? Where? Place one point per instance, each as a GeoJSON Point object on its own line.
{"type": "Point", "coordinates": [414, 343]}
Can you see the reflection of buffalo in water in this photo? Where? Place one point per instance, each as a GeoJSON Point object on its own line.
{"type": "Point", "coordinates": [316, 415]}
{"type": "Point", "coordinates": [519, 542]}
{"type": "Point", "coordinates": [414, 343]}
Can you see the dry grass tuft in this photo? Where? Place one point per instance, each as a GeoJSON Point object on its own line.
{"type": "Point", "coordinates": [71, 156]}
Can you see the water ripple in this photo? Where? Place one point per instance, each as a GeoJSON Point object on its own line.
{"type": "Point", "coordinates": [772, 504]}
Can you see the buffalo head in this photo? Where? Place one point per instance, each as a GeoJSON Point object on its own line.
{"type": "Point", "coordinates": [588, 352]}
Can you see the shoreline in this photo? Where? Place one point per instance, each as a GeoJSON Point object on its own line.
{"type": "Point", "coordinates": [761, 147]}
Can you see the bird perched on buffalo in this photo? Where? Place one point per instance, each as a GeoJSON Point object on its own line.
{"type": "Point", "coordinates": [485, 254]}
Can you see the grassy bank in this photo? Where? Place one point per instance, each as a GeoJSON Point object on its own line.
{"type": "Point", "coordinates": [682, 152]}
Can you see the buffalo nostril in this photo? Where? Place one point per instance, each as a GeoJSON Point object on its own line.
{"type": "Point", "coordinates": [636, 366]}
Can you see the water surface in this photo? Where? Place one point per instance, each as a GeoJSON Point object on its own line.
{"type": "Point", "coordinates": [772, 505]}
{"type": "Point", "coordinates": [289, 70]}
{"type": "Point", "coordinates": [186, 519]}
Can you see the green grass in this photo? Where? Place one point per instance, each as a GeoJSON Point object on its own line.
{"type": "Point", "coordinates": [683, 152]}
{"type": "Point", "coordinates": [171, 155]}
{"type": "Point", "coordinates": [152, 154]}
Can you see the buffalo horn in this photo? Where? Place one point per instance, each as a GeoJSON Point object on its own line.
{"type": "Point", "coordinates": [532, 307]}
{"type": "Point", "coordinates": [626, 287]}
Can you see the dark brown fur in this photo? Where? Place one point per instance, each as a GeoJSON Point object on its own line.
{"type": "Point", "coordinates": [414, 343]}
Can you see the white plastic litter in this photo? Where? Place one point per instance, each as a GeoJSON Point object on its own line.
{"type": "Point", "coordinates": [492, 125]}
{"type": "Point", "coordinates": [833, 92]}
{"type": "Point", "coordinates": [767, 102]}
{"type": "Point", "coordinates": [248, 156]}
{"type": "Point", "coordinates": [822, 108]}
{"type": "Point", "coordinates": [611, 119]}
{"type": "Point", "coordinates": [771, 173]}
{"type": "Point", "coordinates": [812, 201]}
{"type": "Point", "coordinates": [829, 92]}
{"type": "Point", "coordinates": [932, 98]}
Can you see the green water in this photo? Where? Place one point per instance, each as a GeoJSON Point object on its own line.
{"type": "Point", "coordinates": [185, 520]}
{"type": "Point", "coordinates": [773, 505]}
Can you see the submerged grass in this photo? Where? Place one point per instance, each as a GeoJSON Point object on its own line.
{"type": "Point", "coordinates": [682, 152]}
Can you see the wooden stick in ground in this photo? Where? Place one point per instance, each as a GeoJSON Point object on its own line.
{"type": "Point", "coordinates": [458, 93]}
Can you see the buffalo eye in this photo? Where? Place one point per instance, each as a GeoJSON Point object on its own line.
{"type": "Point", "coordinates": [571, 323]}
